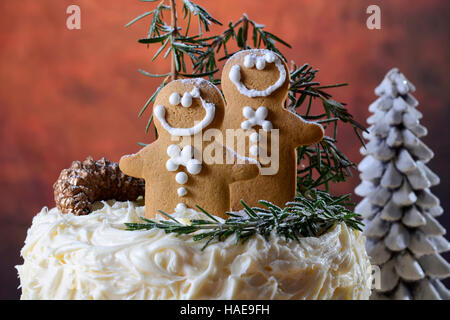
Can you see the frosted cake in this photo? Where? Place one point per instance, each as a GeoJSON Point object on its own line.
{"type": "Point", "coordinates": [93, 257]}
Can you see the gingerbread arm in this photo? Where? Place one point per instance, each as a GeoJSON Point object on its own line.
{"type": "Point", "coordinates": [244, 172]}
{"type": "Point", "coordinates": [132, 165]}
{"type": "Point", "coordinates": [303, 132]}
{"type": "Point", "coordinates": [242, 168]}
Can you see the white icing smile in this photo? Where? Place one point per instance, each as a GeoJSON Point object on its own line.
{"type": "Point", "coordinates": [186, 101]}
{"type": "Point", "coordinates": [250, 61]}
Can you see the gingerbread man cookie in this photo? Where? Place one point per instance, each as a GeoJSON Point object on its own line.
{"type": "Point", "coordinates": [255, 84]}
{"type": "Point", "coordinates": [178, 171]}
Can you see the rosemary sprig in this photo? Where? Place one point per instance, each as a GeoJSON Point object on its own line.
{"type": "Point", "coordinates": [309, 215]}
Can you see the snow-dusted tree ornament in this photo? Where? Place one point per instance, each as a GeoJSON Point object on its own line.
{"type": "Point", "coordinates": [403, 236]}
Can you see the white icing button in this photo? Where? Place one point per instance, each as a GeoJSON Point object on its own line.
{"type": "Point", "coordinates": [181, 192]}
{"type": "Point", "coordinates": [260, 63]}
{"type": "Point", "coordinates": [186, 101]}
{"type": "Point", "coordinates": [249, 61]}
{"type": "Point", "coordinates": [254, 150]}
{"type": "Point", "coordinates": [181, 178]}
{"type": "Point", "coordinates": [174, 99]}
{"type": "Point", "coordinates": [180, 207]}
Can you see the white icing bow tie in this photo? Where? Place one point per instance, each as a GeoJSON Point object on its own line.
{"type": "Point", "coordinates": [183, 157]}
{"type": "Point", "coordinates": [254, 118]}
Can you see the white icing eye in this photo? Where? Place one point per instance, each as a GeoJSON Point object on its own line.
{"type": "Point", "coordinates": [181, 178]}
{"type": "Point", "coordinates": [249, 61]}
{"type": "Point", "coordinates": [260, 63]}
{"type": "Point", "coordinates": [267, 125]}
{"type": "Point", "coordinates": [270, 57]}
{"type": "Point", "coordinates": [261, 113]}
{"type": "Point", "coordinates": [174, 99]}
{"type": "Point", "coordinates": [171, 165]}
{"type": "Point", "coordinates": [248, 112]}
{"type": "Point", "coordinates": [254, 150]}
{"type": "Point", "coordinates": [194, 166]}
{"type": "Point", "coordinates": [186, 101]}
{"type": "Point", "coordinates": [173, 150]}
{"type": "Point", "coordinates": [195, 93]}
{"type": "Point", "coordinates": [235, 73]}
{"type": "Point", "coordinates": [159, 111]}
{"type": "Point", "coordinates": [254, 137]}
{"type": "Point", "coordinates": [181, 192]}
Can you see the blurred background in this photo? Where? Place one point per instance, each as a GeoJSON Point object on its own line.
{"type": "Point", "coordinates": [67, 94]}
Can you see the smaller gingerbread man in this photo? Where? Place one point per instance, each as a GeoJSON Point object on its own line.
{"type": "Point", "coordinates": [176, 172]}
{"type": "Point", "coordinates": [255, 84]}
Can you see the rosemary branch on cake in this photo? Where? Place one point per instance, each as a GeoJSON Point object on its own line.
{"type": "Point", "coordinates": [309, 215]}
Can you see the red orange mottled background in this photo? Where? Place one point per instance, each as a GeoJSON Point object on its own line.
{"type": "Point", "coordinates": [67, 94]}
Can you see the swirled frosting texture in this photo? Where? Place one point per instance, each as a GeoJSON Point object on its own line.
{"type": "Point", "coordinates": [93, 257]}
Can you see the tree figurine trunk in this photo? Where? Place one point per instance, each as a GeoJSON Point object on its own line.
{"type": "Point", "coordinates": [403, 236]}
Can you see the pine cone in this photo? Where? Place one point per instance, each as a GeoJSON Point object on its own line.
{"type": "Point", "coordinates": [78, 187]}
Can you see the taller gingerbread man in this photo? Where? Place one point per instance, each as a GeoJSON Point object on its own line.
{"type": "Point", "coordinates": [255, 84]}
{"type": "Point", "coordinates": [178, 173]}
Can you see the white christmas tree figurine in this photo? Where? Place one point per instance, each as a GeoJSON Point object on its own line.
{"type": "Point", "coordinates": [403, 236]}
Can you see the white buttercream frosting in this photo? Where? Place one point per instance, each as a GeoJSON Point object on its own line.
{"type": "Point", "coordinates": [94, 257]}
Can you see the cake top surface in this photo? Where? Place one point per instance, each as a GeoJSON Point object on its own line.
{"type": "Point", "coordinates": [62, 250]}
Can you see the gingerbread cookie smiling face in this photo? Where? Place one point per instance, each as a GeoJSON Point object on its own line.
{"type": "Point", "coordinates": [261, 61]}
{"type": "Point", "coordinates": [255, 85]}
{"type": "Point", "coordinates": [175, 172]}
{"type": "Point", "coordinates": [189, 100]}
